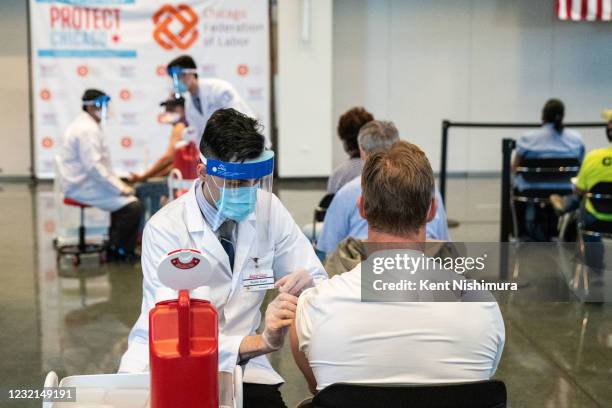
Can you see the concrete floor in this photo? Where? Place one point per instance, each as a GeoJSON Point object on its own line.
{"type": "Point", "coordinates": [556, 354]}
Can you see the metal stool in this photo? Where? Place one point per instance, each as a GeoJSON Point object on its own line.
{"type": "Point", "coordinates": [82, 247]}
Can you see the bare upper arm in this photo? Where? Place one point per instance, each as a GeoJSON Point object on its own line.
{"type": "Point", "coordinates": [300, 359]}
{"type": "Point", "coordinates": [175, 137]}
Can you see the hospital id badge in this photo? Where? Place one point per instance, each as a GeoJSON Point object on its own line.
{"type": "Point", "coordinates": [257, 278]}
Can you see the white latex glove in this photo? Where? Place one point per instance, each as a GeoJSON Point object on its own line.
{"type": "Point", "coordinates": [279, 316]}
{"type": "Point", "coordinates": [295, 282]}
{"type": "Point", "coordinates": [127, 190]}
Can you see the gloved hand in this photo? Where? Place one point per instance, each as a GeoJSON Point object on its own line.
{"type": "Point", "coordinates": [279, 316]}
{"type": "Point", "coordinates": [127, 190]}
{"type": "Point", "coordinates": [295, 282]}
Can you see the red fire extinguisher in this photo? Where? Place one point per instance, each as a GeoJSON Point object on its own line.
{"type": "Point", "coordinates": [183, 351]}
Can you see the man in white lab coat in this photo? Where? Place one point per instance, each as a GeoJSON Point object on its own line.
{"type": "Point", "coordinates": [203, 96]}
{"type": "Point", "coordinates": [87, 175]}
{"type": "Point", "coordinates": [252, 244]}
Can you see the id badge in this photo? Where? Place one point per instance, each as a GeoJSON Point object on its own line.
{"type": "Point", "coordinates": [256, 278]}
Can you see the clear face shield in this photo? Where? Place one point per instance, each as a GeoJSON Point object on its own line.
{"type": "Point", "coordinates": [178, 86]}
{"type": "Point", "coordinates": [242, 191]}
{"type": "Point", "coordinates": [101, 104]}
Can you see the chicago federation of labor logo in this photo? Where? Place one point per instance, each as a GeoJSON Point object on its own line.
{"type": "Point", "coordinates": [175, 27]}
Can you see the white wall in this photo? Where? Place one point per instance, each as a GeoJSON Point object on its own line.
{"type": "Point", "coordinates": [418, 62]}
{"type": "Point", "coordinates": [414, 62]}
{"type": "Point", "coordinates": [304, 90]}
{"type": "Point", "coordinates": [14, 88]}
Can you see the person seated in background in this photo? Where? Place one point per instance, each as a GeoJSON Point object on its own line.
{"type": "Point", "coordinates": [552, 140]}
{"type": "Point", "coordinates": [596, 168]}
{"type": "Point", "coordinates": [337, 338]}
{"type": "Point", "coordinates": [343, 220]}
{"type": "Point", "coordinates": [88, 177]}
{"type": "Point", "coordinates": [348, 130]}
{"type": "Point", "coordinates": [174, 115]}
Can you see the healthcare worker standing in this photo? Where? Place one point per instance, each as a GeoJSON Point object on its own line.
{"type": "Point", "coordinates": [88, 178]}
{"type": "Point", "coordinates": [232, 217]}
{"type": "Point", "coordinates": [203, 96]}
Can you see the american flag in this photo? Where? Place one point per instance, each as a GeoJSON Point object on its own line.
{"type": "Point", "coordinates": [584, 10]}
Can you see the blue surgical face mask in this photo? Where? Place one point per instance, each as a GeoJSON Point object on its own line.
{"type": "Point", "coordinates": [237, 203]}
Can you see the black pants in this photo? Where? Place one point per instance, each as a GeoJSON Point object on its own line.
{"type": "Point", "coordinates": [536, 223]}
{"type": "Point", "coordinates": [262, 396]}
{"type": "Point", "coordinates": [124, 227]}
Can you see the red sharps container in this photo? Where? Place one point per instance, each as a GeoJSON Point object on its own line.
{"type": "Point", "coordinates": [185, 159]}
{"type": "Point", "coordinates": [183, 348]}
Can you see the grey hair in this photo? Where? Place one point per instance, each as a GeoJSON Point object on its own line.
{"type": "Point", "coordinates": [377, 135]}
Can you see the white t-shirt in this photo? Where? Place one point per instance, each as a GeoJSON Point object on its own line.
{"type": "Point", "coordinates": [346, 340]}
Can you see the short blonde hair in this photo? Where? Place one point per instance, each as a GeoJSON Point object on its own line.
{"type": "Point", "coordinates": [398, 186]}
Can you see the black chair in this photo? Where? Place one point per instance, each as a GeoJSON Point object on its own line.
{"type": "Point", "coordinates": [546, 170]}
{"type": "Point", "coordinates": [600, 196]}
{"type": "Point", "coordinates": [481, 394]}
{"type": "Point", "coordinates": [319, 214]}
{"type": "Point", "coordinates": [542, 170]}
{"type": "Point", "coordinates": [591, 251]}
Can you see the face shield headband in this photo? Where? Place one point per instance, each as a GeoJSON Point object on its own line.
{"type": "Point", "coordinates": [178, 86]}
{"type": "Point", "coordinates": [257, 168]}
